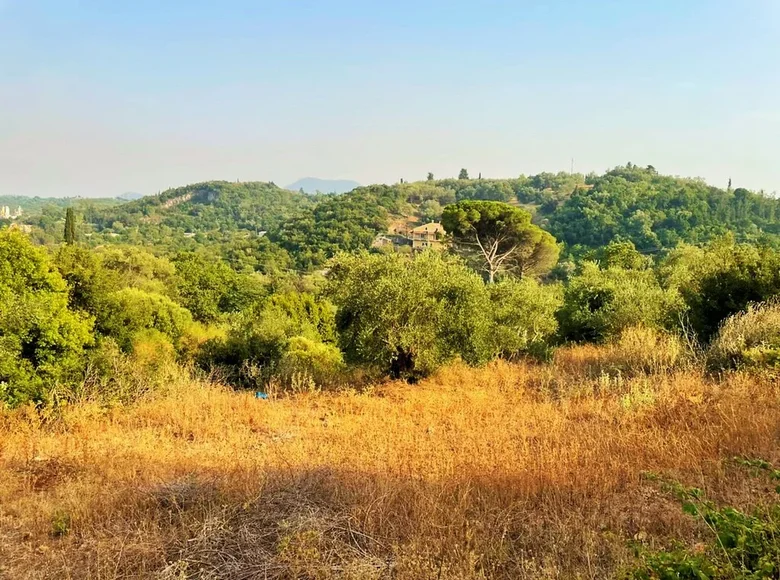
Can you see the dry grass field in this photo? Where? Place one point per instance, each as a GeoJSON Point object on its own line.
{"type": "Point", "coordinates": [510, 471]}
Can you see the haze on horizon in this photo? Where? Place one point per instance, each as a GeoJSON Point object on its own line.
{"type": "Point", "coordinates": [97, 98]}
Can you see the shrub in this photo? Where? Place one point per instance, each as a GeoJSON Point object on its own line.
{"type": "Point", "coordinates": [600, 304]}
{"type": "Point", "coordinates": [114, 376]}
{"type": "Point", "coordinates": [287, 334]}
{"type": "Point", "coordinates": [743, 546]}
{"type": "Point", "coordinates": [128, 311]}
{"type": "Point", "coordinates": [750, 338]}
{"type": "Point", "coordinates": [524, 316]}
{"type": "Point", "coordinates": [305, 358]}
{"type": "Point", "coordinates": [209, 288]}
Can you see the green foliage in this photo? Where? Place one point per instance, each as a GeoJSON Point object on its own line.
{"type": "Point", "coordinates": [214, 205]}
{"type": "Point", "coordinates": [497, 237]}
{"type": "Point", "coordinates": [138, 268]}
{"type": "Point", "coordinates": [42, 341]}
{"type": "Point", "coordinates": [743, 546]}
{"type": "Point", "coordinates": [287, 334]}
{"type": "Point", "coordinates": [464, 174]}
{"type": "Point", "coordinates": [409, 316]}
{"type": "Point", "coordinates": [655, 211]}
{"type": "Point", "coordinates": [600, 304]}
{"type": "Point", "coordinates": [88, 280]}
{"type": "Point", "coordinates": [346, 223]}
{"type": "Point", "coordinates": [209, 288]}
{"type": "Point", "coordinates": [524, 316]}
{"type": "Point", "coordinates": [721, 279]}
{"type": "Point", "coordinates": [128, 312]}
{"type": "Point", "coordinates": [623, 255]}
{"type": "Point", "coordinates": [70, 226]}
{"type": "Point", "coordinates": [60, 524]}
{"type": "Point", "coordinates": [305, 358]}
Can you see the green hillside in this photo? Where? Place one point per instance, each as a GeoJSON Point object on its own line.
{"type": "Point", "coordinates": [584, 212]}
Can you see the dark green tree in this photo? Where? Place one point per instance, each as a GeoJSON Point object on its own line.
{"type": "Point", "coordinates": [464, 174]}
{"type": "Point", "coordinates": [430, 176]}
{"type": "Point", "coordinates": [70, 227]}
{"type": "Point", "coordinates": [408, 317]}
{"type": "Point", "coordinates": [497, 237]}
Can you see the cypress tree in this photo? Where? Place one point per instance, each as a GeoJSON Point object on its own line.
{"type": "Point", "coordinates": [70, 227]}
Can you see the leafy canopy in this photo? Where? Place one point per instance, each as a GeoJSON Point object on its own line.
{"type": "Point", "coordinates": [42, 341]}
{"type": "Point", "coordinates": [497, 237]}
{"type": "Point", "coordinates": [409, 316]}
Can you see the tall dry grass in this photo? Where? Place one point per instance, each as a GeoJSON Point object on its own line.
{"type": "Point", "coordinates": [511, 471]}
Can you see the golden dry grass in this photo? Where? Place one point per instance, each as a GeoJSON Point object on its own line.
{"type": "Point", "coordinates": [511, 471]}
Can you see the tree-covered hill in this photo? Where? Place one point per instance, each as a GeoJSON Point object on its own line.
{"type": "Point", "coordinates": [658, 212]}
{"type": "Point", "coordinates": [214, 205]}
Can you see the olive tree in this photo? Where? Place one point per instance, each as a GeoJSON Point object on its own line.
{"type": "Point", "coordinates": [407, 316]}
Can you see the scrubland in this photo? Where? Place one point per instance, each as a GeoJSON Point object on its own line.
{"type": "Point", "coordinates": [512, 470]}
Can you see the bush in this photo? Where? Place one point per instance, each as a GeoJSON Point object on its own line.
{"type": "Point", "coordinates": [600, 304]}
{"type": "Point", "coordinates": [114, 376]}
{"type": "Point", "coordinates": [311, 361]}
{"type": "Point", "coordinates": [209, 288]}
{"type": "Point", "coordinates": [524, 316]}
{"type": "Point", "coordinates": [129, 311]}
{"type": "Point", "coordinates": [743, 546]}
{"type": "Point", "coordinates": [288, 334]}
{"type": "Point", "coordinates": [750, 338]}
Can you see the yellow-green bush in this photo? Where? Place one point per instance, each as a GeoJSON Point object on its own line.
{"type": "Point", "coordinates": [750, 338]}
{"type": "Point", "coordinates": [320, 362]}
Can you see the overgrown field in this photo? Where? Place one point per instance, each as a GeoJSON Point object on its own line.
{"type": "Point", "coordinates": [508, 471]}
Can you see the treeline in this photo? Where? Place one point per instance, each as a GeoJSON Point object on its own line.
{"type": "Point", "coordinates": [584, 212]}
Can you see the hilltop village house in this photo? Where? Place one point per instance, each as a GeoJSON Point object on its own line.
{"type": "Point", "coordinates": [430, 235]}
{"type": "Point", "coordinates": [427, 236]}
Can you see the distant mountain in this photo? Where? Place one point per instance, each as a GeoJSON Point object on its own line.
{"type": "Point", "coordinates": [313, 185]}
{"type": "Point", "coordinates": [130, 196]}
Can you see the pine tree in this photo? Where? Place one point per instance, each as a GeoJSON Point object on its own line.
{"type": "Point", "coordinates": [463, 174]}
{"type": "Point", "coordinates": [70, 227]}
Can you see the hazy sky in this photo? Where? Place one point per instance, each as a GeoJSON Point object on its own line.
{"type": "Point", "coordinates": [101, 97]}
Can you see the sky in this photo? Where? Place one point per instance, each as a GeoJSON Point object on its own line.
{"type": "Point", "coordinates": [100, 98]}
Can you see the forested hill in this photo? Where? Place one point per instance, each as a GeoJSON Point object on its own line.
{"type": "Point", "coordinates": [584, 212]}
{"type": "Point", "coordinates": [657, 211]}
{"type": "Point", "coordinates": [654, 211]}
{"type": "Point", "coordinates": [216, 205]}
